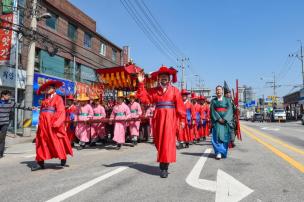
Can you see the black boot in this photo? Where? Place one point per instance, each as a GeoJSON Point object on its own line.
{"type": "Point", "coordinates": [63, 163]}
{"type": "Point", "coordinates": [163, 173]}
{"type": "Point", "coordinates": [39, 166]}
{"type": "Point", "coordinates": [164, 170]}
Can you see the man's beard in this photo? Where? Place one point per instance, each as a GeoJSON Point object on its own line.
{"type": "Point", "coordinates": [163, 84]}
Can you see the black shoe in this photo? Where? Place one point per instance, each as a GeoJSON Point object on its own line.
{"type": "Point", "coordinates": [118, 147]}
{"type": "Point", "coordinates": [187, 145]}
{"type": "Point", "coordinates": [63, 163]}
{"type": "Point", "coordinates": [163, 173]}
{"type": "Point", "coordinates": [39, 166]}
{"type": "Point", "coordinates": [79, 147]}
{"type": "Point", "coordinates": [179, 146]}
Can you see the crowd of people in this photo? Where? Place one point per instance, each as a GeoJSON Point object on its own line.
{"type": "Point", "coordinates": [176, 120]}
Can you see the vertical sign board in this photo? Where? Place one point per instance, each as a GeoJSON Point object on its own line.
{"type": "Point", "coordinates": [6, 32]}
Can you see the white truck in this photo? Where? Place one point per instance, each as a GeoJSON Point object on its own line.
{"type": "Point", "coordinates": [249, 115]}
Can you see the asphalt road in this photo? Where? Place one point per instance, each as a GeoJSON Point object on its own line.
{"type": "Point", "coordinates": [268, 165]}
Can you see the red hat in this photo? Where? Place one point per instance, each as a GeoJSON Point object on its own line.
{"type": "Point", "coordinates": [194, 96]}
{"type": "Point", "coordinates": [165, 70]}
{"type": "Point", "coordinates": [185, 92]}
{"type": "Point", "coordinates": [70, 97]}
{"type": "Point", "coordinates": [201, 97]}
{"type": "Point", "coordinates": [55, 83]}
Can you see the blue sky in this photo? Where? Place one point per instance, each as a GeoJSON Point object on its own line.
{"type": "Point", "coordinates": [224, 39]}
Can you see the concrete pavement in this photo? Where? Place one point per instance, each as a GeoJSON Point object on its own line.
{"type": "Point", "coordinates": [131, 174]}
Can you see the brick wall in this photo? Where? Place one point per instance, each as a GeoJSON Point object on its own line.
{"type": "Point", "coordinates": [87, 56]}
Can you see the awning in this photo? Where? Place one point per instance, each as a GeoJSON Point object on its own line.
{"type": "Point", "coordinates": [122, 77]}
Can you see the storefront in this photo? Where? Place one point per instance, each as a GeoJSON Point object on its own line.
{"type": "Point", "coordinates": [293, 104]}
{"type": "Point", "coordinates": [8, 82]}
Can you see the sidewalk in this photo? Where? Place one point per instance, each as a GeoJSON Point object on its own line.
{"type": "Point", "coordinates": [12, 139]}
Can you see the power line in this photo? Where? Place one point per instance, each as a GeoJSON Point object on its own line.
{"type": "Point", "coordinates": [157, 33]}
{"type": "Point", "coordinates": [161, 31]}
{"type": "Point", "coordinates": [146, 30]}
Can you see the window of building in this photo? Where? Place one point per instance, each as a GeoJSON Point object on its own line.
{"type": "Point", "coordinates": [114, 54]}
{"type": "Point", "coordinates": [52, 21]}
{"type": "Point", "coordinates": [87, 74]}
{"type": "Point", "coordinates": [72, 32]}
{"type": "Point", "coordinates": [87, 42]}
{"type": "Point", "coordinates": [103, 48]}
{"type": "Point", "coordinates": [52, 65]}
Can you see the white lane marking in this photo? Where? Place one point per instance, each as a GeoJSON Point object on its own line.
{"type": "Point", "coordinates": [193, 178]}
{"type": "Point", "coordinates": [226, 187]}
{"type": "Point", "coordinates": [273, 129]}
{"type": "Point", "coordinates": [230, 189]}
{"type": "Point", "coordinates": [30, 156]}
{"type": "Point", "coordinates": [86, 185]}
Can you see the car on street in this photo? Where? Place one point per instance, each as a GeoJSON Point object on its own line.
{"type": "Point", "coordinates": [257, 117]}
{"type": "Point", "coordinates": [278, 115]}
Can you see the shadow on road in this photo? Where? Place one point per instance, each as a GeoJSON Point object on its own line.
{"type": "Point", "coordinates": [211, 155]}
{"type": "Point", "coordinates": [150, 170]}
{"type": "Point", "coordinates": [54, 166]}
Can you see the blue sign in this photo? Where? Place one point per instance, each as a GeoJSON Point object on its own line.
{"type": "Point", "coordinates": [67, 88]}
{"type": "Point", "coordinates": [39, 79]}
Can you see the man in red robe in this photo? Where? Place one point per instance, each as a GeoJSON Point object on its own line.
{"type": "Point", "coordinates": [71, 111]}
{"type": "Point", "coordinates": [168, 107]}
{"type": "Point", "coordinates": [205, 116]}
{"type": "Point", "coordinates": [184, 134]}
{"type": "Point", "coordinates": [196, 117]}
{"type": "Point", "coordinates": [51, 138]}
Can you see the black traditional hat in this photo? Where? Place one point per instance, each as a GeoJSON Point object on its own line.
{"type": "Point", "coordinates": [226, 88]}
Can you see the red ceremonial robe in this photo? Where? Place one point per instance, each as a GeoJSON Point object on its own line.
{"type": "Point", "coordinates": [196, 131]}
{"type": "Point", "coordinates": [184, 134]}
{"type": "Point", "coordinates": [70, 127]}
{"type": "Point", "coordinates": [169, 105]}
{"type": "Point", "coordinates": [205, 116]}
{"type": "Point", "coordinates": [51, 138]}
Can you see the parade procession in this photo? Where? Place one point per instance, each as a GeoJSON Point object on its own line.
{"type": "Point", "coordinates": [157, 101]}
{"type": "Point", "coordinates": [143, 108]}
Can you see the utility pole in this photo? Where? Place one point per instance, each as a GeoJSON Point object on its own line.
{"type": "Point", "coordinates": [183, 75]}
{"type": "Point", "coordinates": [183, 71]}
{"type": "Point", "coordinates": [274, 85]}
{"type": "Point", "coordinates": [30, 71]}
{"type": "Point", "coordinates": [301, 58]}
{"type": "Point", "coordinates": [16, 70]}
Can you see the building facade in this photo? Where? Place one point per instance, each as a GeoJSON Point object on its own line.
{"type": "Point", "coordinates": [294, 104]}
{"type": "Point", "coordinates": [68, 48]}
{"type": "Point", "coordinates": [76, 48]}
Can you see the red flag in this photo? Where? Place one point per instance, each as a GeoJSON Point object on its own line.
{"type": "Point", "coordinates": [237, 112]}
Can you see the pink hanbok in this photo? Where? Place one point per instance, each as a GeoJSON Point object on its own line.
{"type": "Point", "coordinates": [98, 129]}
{"type": "Point", "coordinates": [120, 112]}
{"type": "Point", "coordinates": [149, 114]}
{"type": "Point", "coordinates": [136, 112]}
{"type": "Point", "coordinates": [83, 131]}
